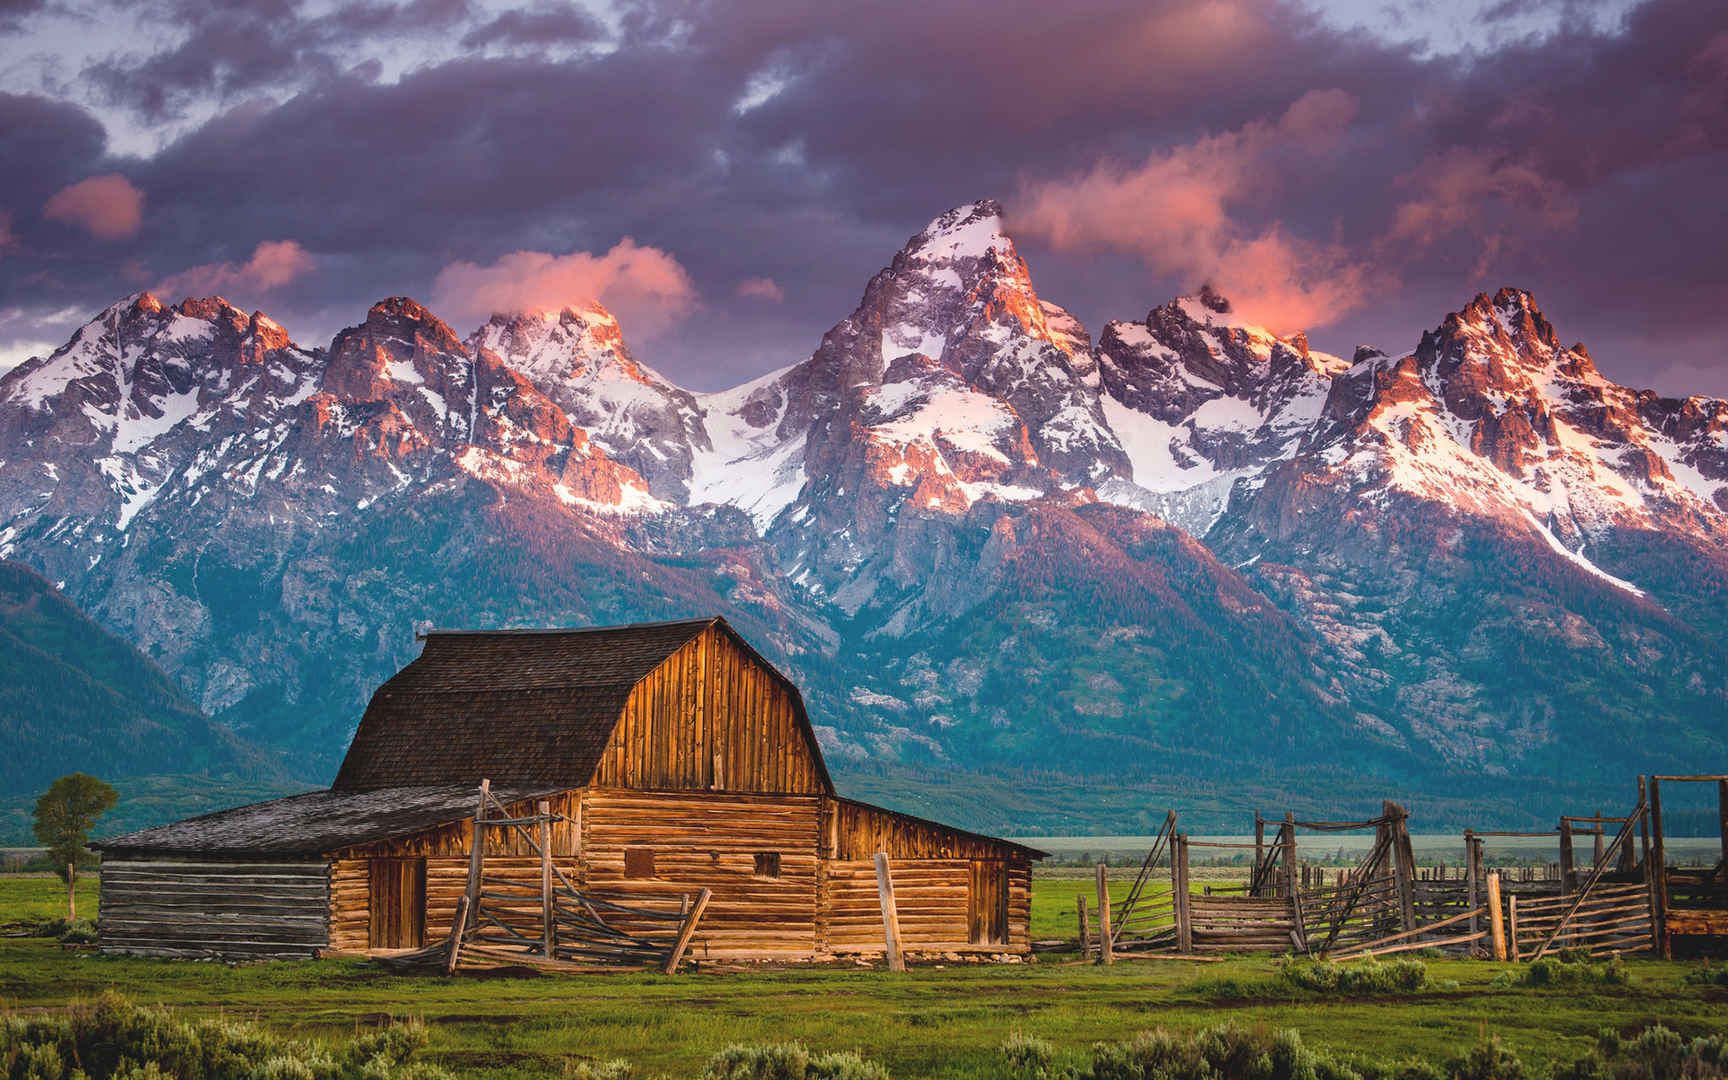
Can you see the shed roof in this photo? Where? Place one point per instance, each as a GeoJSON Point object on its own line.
{"type": "Point", "coordinates": [312, 824]}
{"type": "Point", "coordinates": [516, 706]}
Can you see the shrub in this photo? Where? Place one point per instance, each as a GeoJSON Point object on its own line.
{"type": "Point", "coordinates": [1657, 1053]}
{"type": "Point", "coordinates": [845, 1065]}
{"type": "Point", "coordinates": [1568, 968]}
{"type": "Point", "coordinates": [1370, 976]}
{"type": "Point", "coordinates": [1707, 976]}
{"type": "Point", "coordinates": [80, 932]}
{"type": "Point", "coordinates": [112, 1039]}
{"type": "Point", "coordinates": [1026, 1058]}
{"type": "Point", "coordinates": [1487, 1061]}
{"type": "Point", "coordinates": [1219, 1053]}
{"type": "Point", "coordinates": [599, 1070]}
{"type": "Point", "coordinates": [789, 1061]}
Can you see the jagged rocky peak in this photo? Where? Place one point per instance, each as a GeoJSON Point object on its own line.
{"type": "Point", "coordinates": [952, 382]}
{"type": "Point", "coordinates": [400, 315]}
{"type": "Point", "coordinates": [139, 352]}
{"type": "Point", "coordinates": [577, 356]}
{"type": "Point", "coordinates": [560, 344]}
{"type": "Point", "coordinates": [1201, 398]}
{"type": "Point", "coordinates": [401, 353]}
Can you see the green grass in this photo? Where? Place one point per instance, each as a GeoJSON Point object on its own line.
{"type": "Point", "coordinates": [943, 1023]}
{"type": "Point", "coordinates": [41, 897]}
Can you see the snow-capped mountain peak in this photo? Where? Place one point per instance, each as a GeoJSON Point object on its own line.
{"type": "Point", "coordinates": [577, 356]}
{"type": "Point", "coordinates": [972, 231]}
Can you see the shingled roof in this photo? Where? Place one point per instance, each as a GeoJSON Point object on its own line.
{"type": "Point", "coordinates": [311, 824]}
{"type": "Point", "coordinates": [512, 706]}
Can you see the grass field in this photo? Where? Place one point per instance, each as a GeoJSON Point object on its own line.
{"type": "Point", "coordinates": [927, 1023]}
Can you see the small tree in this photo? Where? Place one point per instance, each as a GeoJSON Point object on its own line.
{"type": "Point", "coordinates": [65, 814]}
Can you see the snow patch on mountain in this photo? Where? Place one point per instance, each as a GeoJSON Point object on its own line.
{"type": "Point", "coordinates": [747, 463]}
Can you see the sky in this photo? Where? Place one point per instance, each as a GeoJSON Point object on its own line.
{"type": "Point", "coordinates": [727, 176]}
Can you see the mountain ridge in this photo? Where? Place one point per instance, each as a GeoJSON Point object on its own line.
{"type": "Point", "coordinates": [978, 537]}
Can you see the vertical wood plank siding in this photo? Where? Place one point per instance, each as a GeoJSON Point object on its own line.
{"type": "Point", "coordinates": [187, 907]}
{"type": "Point", "coordinates": [710, 719]}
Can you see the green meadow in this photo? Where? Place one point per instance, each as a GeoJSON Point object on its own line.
{"type": "Point", "coordinates": [946, 1021]}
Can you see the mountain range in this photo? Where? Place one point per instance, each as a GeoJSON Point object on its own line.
{"type": "Point", "coordinates": [1191, 560]}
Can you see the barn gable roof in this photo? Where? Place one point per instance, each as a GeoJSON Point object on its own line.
{"type": "Point", "coordinates": [314, 823]}
{"type": "Point", "coordinates": [516, 706]}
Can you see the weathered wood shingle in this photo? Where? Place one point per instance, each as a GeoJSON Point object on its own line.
{"type": "Point", "coordinates": [310, 824]}
{"type": "Point", "coordinates": [518, 707]}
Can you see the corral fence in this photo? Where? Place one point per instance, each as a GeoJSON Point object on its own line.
{"type": "Point", "coordinates": [1386, 904]}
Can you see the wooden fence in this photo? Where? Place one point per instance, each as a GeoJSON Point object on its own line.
{"type": "Point", "coordinates": [1384, 905]}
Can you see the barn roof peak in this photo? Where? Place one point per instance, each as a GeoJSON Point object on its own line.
{"type": "Point", "coordinates": [542, 631]}
{"type": "Point", "coordinates": [525, 706]}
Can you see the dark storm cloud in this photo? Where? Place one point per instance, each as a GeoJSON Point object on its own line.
{"type": "Point", "coordinates": [62, 144]}
{"type": "Point", "coordinates": [551, 24]}
{"type": "Point", "coordinates": [802, 143]}
{"type": "Point", "coordinates": [236, 49]}
{"type": "Point", "coordinates": [12, 13]}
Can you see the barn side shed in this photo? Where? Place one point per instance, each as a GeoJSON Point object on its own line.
{"type": "Point", "coordinates": [674, 759]}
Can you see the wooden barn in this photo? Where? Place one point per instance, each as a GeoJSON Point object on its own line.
{"type": "Point", "coordinates": [662, 758]}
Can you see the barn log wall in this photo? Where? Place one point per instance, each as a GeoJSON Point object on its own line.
{"type": "Point", "coordinates": [705, 840]}
{"type": "Point", "coordinates": [711, 717]}
{"type": "Point", "coordinates": [933, 868]}
{"type": "Point", "coordinates": [930, 895]}
{"type": "Point", "coordinates": [702, 839]}
{"type": "Point", "coordinates": [187, 907]}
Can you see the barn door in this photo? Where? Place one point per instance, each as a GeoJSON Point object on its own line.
{"type": "Point", "coordinates": [398, 904]}
{"type": "Point", "coordinates": [987, 903]}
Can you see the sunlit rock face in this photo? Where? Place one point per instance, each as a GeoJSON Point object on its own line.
{"type": "Point", "coordinates": [971, 534]}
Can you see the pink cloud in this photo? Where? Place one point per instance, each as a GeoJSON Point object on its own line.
{"type": "Point", "coordinates": [273, 263]}
{"type": "Point", "coordinates": [108, 207]}
{"type": "Point", "coordinates": [645, 287]}
{"type": "Point", "coordinates": [762, 288]}
{"type": "Point", "coordinates": [1177, 211]}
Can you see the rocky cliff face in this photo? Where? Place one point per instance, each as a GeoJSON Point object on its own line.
{"type": "Point", "coordinates": [977, 539]}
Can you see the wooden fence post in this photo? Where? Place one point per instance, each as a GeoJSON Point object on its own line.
{"type": "Point", "coordinates": [1470, 871]}
{"type": "Point", "coordinates": [1566, 857]}
{"type": "Point", "coordinates": [477, 852]}
{"type": "Point", "coordinates": [1288, 837]}
{"type": "Point", "coordinates": [544, 809]}
{"type": "Point", "coordinates": [1183, 908]}
{"type": "Point", "coordinates": [1496, 928]}
{"type": "Point", "coordinates": [1404, 865]}
{"type": "Point", "coordinates": [71, 892]}
{"type": "Point", "coordinates": [456, 929]}
{"type": "Point", "coordinates": [1722, 813]}
{"type": "Point", "coordinates": [1085, 942]}
{"type": "Point", "coordinates": [1660, 860]}
{"type": "Point", "coordinates": [1255, 879]}
{"type": "Point", "coordinates": [1106, 954]}
{"type": "Point", "coordinates": [1512, 925]}
{"type": "Point", "coordinates": [686, 931]}
{"type": "Point", "coordinates": [470, 902]}
{"type": "Point", "coordinates": [890, 914]}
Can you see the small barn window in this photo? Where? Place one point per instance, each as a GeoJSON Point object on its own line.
{"type": "Point", "coordinates": [638, 862]}
{"type": "Point", "coordinates": [768, 864]}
